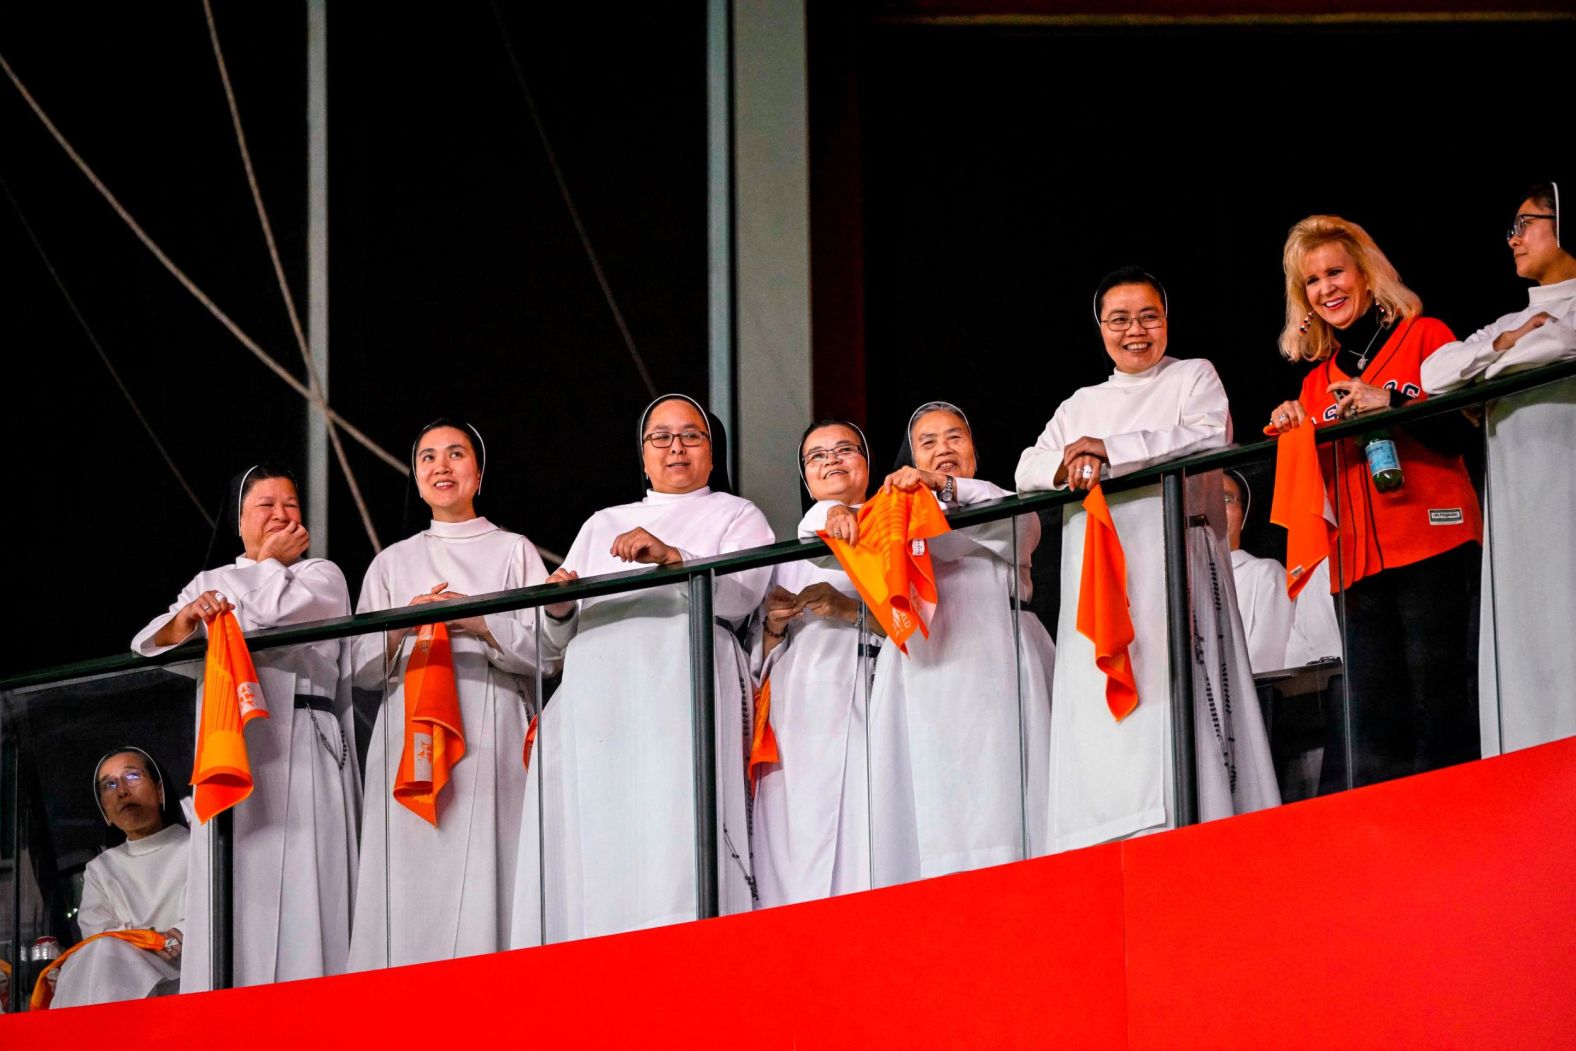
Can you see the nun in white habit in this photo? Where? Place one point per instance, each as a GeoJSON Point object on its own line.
{"type": "Point", "coordinates": [607, 841]}
{"type": "Point", "coordinates": [959, 726]}
{"type": "Point", "coordinates": [812, 830]}
{"type": "Point", "coordinates": [1526, 664]}
{"type": "Point", "coordinates": [138, 885]}
{"type": "Point", "coordinates": [430, 892]}
{"type": "Point", "coordinates": [1112, 779]}
{"type": "Point", "coordinates": [295, 835]}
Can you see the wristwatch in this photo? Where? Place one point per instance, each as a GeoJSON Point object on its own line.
{"type": "Point", "coordinates": [950, 490]}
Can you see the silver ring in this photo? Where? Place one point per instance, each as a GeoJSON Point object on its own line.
{"type": "Point", "coordinates": [1281, 418]}
{"type": "Point", "coordinates": [1088, 470]}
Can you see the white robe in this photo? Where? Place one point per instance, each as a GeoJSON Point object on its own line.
{"type": "Point", "coordinates": [960, 726]}
{"type": "Point", "coordinates": [607, 835]}
{"type": "Point", "coordinates": [1315, 630]}
{"type": "Point", "coordinates": [1112, 779]}
{"type": "Point", "coordinates": [295, 835]}
{"type": "Point", "coordinates": [138, 885]}
{"type": "Point", "coordinates": [1267, 613]}
{"type": "Point", "coordinates": [432, 893]}
{"type": "Point", "coordinates": [1526, 664]}
{"type": "Point", "coordinates": [811, 811]}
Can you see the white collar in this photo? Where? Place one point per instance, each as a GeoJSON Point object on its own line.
{"type": "Point", "coordinates": [1559, 291]}
{"type": "Point", "coordinates": [1124, 379]}
{"type": "Point", "coordinates": [154, 843]}
{"type": "Point", "coordinates": [654, 497]}
{"type": "Point", "coordinates": [466, 530]}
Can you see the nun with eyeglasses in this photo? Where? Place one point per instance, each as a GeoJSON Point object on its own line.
{"type": "Point", "coordinates": [138, 884]}
{"type": "Point", "coordinates": [295, 835]}
{"type": "Point", "coordinates": [1110, 778]}
{"type": "Point", "coordinates": [607, 841]}
{"type": "Point", "coordinates": [959, 724]}
{"type": "Point", "coordinates": [441, 889]}
{"type": "Point", "coordinates": [816, 648]}
{"type": "Point", "coordinates": [1526, 664]}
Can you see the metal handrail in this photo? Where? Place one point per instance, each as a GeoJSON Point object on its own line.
{"type": "Point", "coordinates": [783, 551]}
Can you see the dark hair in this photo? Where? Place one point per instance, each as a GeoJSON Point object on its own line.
{"type": "Point", "coordinates": [1542, 193]}
{"type": "Point", "coordinates": [1128, 275]}
{"type": "Point", "coordinates": [472, 436]}
{"type": "Point", "coordinates": [830, 421]}
{"type": "Point", "coordinates": [263, 471]}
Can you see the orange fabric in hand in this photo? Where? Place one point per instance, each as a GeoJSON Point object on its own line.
{"type": "Point", "coordinates": [1301, 506]}
{"type": "Point", "coordinates": [231, 698]}
{"type": "Point", "coordinates": [43, 993]}
{"type": "Point", "coordinates": [763, 745]}
{"type": "Point", "coordinates": [434, 734]}
{"type": "Point", "coordinates": [890, 565]}
{"type": "Point", "coordinates": [1103, 616]}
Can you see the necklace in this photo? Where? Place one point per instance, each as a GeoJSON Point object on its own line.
{"type": "Point", "coordinates": [1362, 362]}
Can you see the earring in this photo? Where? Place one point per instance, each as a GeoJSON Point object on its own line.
{"type": "Point", "coordinates": [1306, 321]}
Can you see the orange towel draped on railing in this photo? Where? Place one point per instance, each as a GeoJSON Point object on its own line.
{"type": "Point", "coordinates": [434, 735]}
{"type": "Point", "coordinates": [231, 698]}
{"type": "Point", "coordinates": [1301, 505]}
{"type": "Point", "coordinates": [1103, 614]}
{"type": "Point", "coordinates": [43, 992]}
{"type": "Point", "coordinates": [890, 565]}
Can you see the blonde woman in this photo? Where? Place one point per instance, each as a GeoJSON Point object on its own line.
{"type": "Point", "coordinates": [1408, 554]}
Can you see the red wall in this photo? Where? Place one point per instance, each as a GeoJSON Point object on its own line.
{"type": "Point", "coordinates": [1439, 911]}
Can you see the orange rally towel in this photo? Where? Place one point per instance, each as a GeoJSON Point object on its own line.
{"type": "Point", "coordinates": [231, 698]}
{"type": "Point", "coordinates": [890, 565]}
{"type": "Point", "coordinates": [763, 746]}
{"type": "Point", "coordinates": [530, 741]}
{"type": "Point", "coordinates": [1103, 616]}
{"type": "Point", "coordinates": [43, 992]}
{"type": "Point", "coordinates": [434, 734]}
{"type": "Point", "coordinates": [1301, 505]}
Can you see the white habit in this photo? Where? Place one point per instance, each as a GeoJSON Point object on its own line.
{"type": "Point", "coordinates": [607, 836]}
{"type": "Point", "coordinates": [295, 835]}
{"type": "Point", "coordinates": [1315, 630]}
{"type": "Point", "coordinates": [1111, 779]}
{"type": "Point", "coordinates": [138, 885]}
{"type": "Point", "coordinates": [1526, 663]}
{"type": "Point", "coordinates": [1266, 611]}
{"type": "Point", "coordinates": [812, 828]}
{"type": "Point", "coordinates": [432, 893]}
{"type": "Point", "coordinates": [960, 726]}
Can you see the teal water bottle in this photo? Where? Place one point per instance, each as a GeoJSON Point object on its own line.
{"type": "Point", "coordinates": [1383, 462]}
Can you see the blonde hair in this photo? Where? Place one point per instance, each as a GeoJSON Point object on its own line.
{"type": "Point", "coordinates": [1318, 342]}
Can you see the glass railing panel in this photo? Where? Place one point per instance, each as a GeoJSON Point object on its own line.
{"type": "Point", "coordinates": [810, 831]}
{"type": "Point", "coordinates": [609, 826]}
{"type": "Point", "coordinates": [1527, 664]}
{"type": "Point", "coordinates": [1294, 646]}
{"type": "Point", "coordinates": [91, 846]}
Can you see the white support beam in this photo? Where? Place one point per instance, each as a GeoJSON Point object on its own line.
{"type": "Point", "coordinates": [317, 266]}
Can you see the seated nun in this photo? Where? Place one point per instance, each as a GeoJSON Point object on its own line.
{"type": "Point", "coordinates": [817, 651]}
{"type": "Point", "coordinates": [1261, 584]}
{"type": "Point", "coordinates": [959, 725]}
{"type": "Point", "coordinates": [137, 885]}
{"type": "Point", "coordinates": [608, 841]}
{"type": "Point", "coordinates": [1109, 775]}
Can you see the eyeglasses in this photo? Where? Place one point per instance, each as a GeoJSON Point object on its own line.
{"type": "Point", "coordinates": [1123, 322]}
{"type": "Point", "coordinates": [1519, 227]}
{"type": "Point", "coordinates": [131, 779]}
{"type": "Point", "coordinates": [817, 457]}
{"type": "Point", "coordinates": [664, 439]}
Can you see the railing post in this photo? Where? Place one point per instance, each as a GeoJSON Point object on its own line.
{"type": "Point", "coordinates": [11, 821]}
{"type": "Point", "coordinates": [703, 725]}
{"type": "Point", "coordinates": [1179, 639]}
{"type": "Point", "coordinates": [222, 899]}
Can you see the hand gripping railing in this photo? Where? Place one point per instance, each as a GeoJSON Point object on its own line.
{"type": "Point", "coordinates": [698, 575]}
